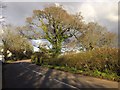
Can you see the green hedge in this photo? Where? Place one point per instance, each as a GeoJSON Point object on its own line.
{"type": "Point", "coordinates": [40, 58]}
{"type": "Point", "coordinates": [104, 60]}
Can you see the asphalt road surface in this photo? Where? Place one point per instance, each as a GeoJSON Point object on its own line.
{"type": "Point", "coordinates": [27, 75]}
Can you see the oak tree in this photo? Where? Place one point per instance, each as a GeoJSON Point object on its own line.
{"type": "Point", "coordinates": [57, 25]}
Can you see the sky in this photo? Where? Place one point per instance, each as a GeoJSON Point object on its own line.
{"type": "Point", "coordinates": [105, 12]}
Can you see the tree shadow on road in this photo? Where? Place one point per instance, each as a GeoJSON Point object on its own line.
{"type": "Point", "coordinates": [18, 76]}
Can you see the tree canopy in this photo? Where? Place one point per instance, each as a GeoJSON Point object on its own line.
{"type": "Point", "coordinates": [97, 36]}
{"type": "Point", "coordinates": [15, 42]}
{"type": "Point", "coordinates": [57, 25]}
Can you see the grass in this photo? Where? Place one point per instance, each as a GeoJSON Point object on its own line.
{"type": "Point", "coordinates": [95, 73]}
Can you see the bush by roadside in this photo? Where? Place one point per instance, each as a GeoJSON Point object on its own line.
{"type": "Point", "coordinates": [100, 62]}
{"type": "Point", "coordinates": [9, 61]}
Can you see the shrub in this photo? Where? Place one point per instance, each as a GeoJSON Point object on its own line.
{"type": "Point", "coordinates": [100, 62]}
{"type": "Point", "coordinates": [19, 55]}
{"type": "Point", "coordinates": [35, 58]}
{"type": "Point", "coordinates": [101, 59]}
{"type": "Point", "coordinates": [40, 58]}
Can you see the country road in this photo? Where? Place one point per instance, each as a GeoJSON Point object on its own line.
{"type": "Point", "coordinates": [23, 74]}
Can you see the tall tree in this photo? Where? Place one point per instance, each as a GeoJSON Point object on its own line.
{"type": "Point", "coordinates": [15, 42]}
{"type": "Point", "coordinates": [96, 35]}
{"type": "Point", "coordinates": [57, 25]}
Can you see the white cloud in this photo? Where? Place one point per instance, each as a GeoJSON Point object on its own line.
{"type": "Point", "coordinates": [61, 0]}
{"type": "Point", "coordinates": [109, 11]}
{"type": "Point", "coordinates": [103, 12]}
{"type": "Point", "coordinates": [87, 11]}
{"type": "Point", "coordinates": [113, 18]}
{"type": "Point", "coordinates": [101, 0]}
{"type": "Point", "coordinates": [98, 11]}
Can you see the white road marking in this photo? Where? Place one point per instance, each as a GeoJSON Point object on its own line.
{"type": "Point", "coordinates": [49, 77]}
{"type": "Point", "coordinates": [65, 84]}
{"type": "Point", "coordinates": [31, 70]}
{"type": "Point", "coordinates": [37, 72]}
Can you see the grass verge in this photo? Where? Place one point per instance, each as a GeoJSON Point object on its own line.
{"type": "Point", "coordinates": [95, 73]}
